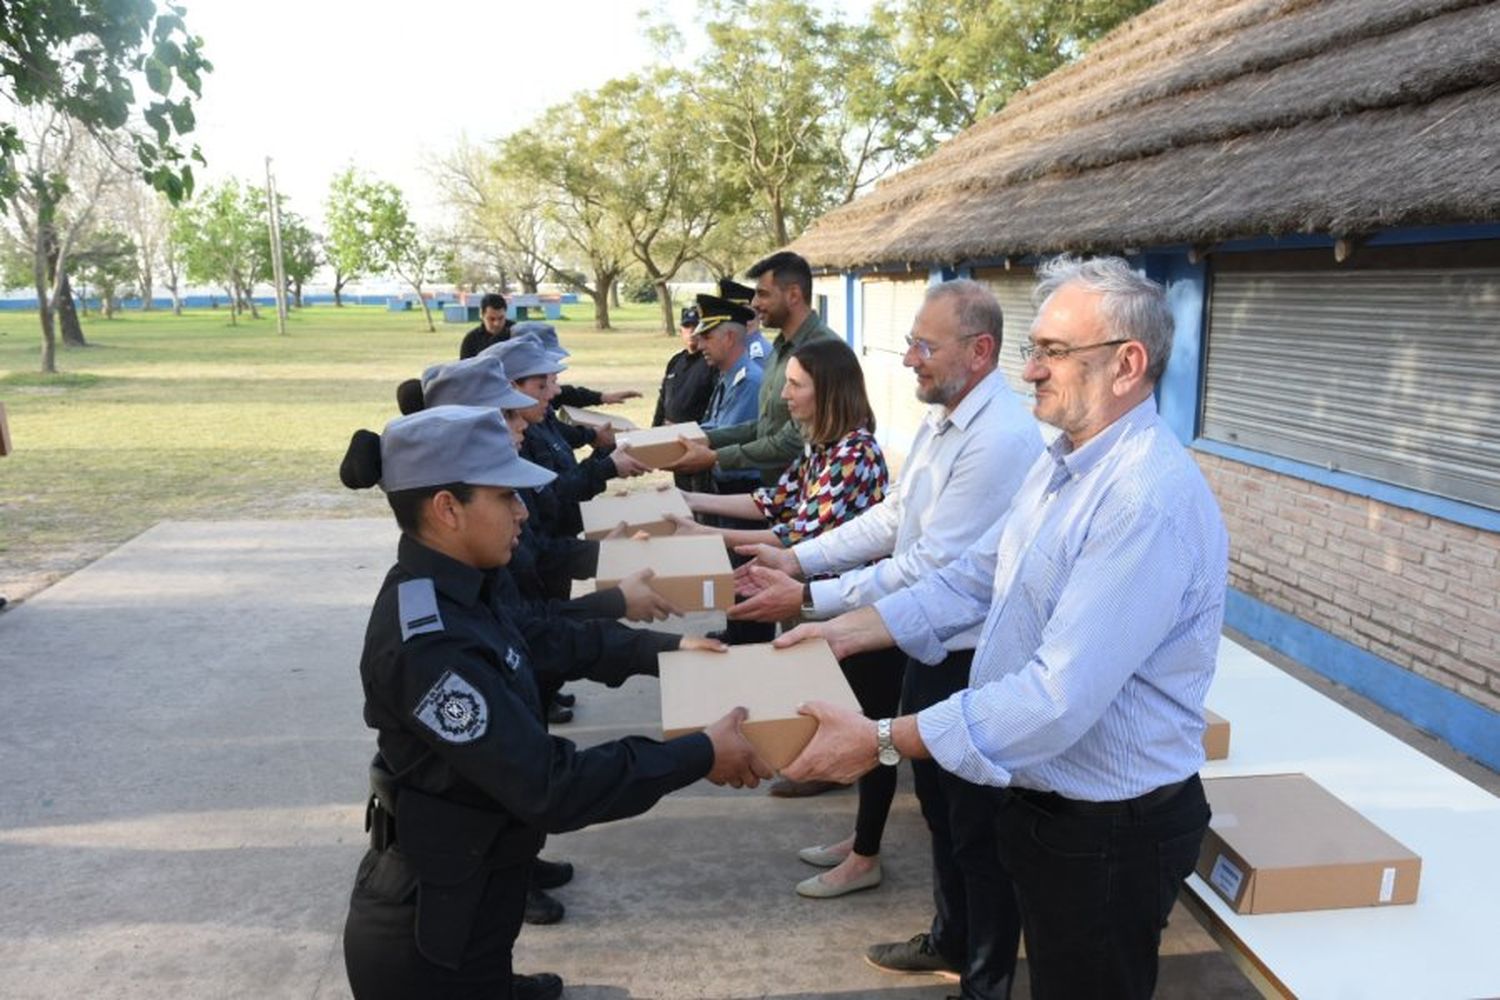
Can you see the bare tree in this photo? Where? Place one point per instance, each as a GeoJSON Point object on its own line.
{"type": "Point", "coordinates": [65, 172]}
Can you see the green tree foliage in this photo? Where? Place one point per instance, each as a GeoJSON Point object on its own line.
{"type": "Point", "coordinates": [961, 60]}
{"type": "Point", "coordinates": [397, 246]}
{"type": "Point", "coordinates": [557, 155]}
{"type": "Point", "coordinates": [80, 56]}
{"type": "Point", "coordinates": [221, 239]}
{"type": "Point", "coordinates": [499, 229]}
{"type": "Point", "coordinates": [349, 243]}
{"type": "Point", "coordinates": [106, 265]}
{"type": "Point", "coordinates": [301, 253]}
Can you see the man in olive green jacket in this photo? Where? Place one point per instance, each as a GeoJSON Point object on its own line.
{"type": "Point", "coordinates": [783, 293]}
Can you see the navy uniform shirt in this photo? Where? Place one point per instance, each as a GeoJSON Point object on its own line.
{"type": "Point", "coordinates": [685, 388]}
{"type": "Point", "coordinates": [450, 689]}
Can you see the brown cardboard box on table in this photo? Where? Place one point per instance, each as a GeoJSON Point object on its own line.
{"type": "Point", "coordinates": [1215, 735]}
{"type": "Point", "coordinates": [692, 571]}
{"type": "Point", "coordinates": [643, 510]}
{"type": "Point", "coordinates": [1282, 842]}
{"type": "Point", "coordinates": [658, 446]}
{"type": "Point", "coordinates": [697, 688]}
{"type": "Point", "coordinates": [593, 418]}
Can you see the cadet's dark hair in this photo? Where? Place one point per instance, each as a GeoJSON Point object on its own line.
{"type": "Point", "coordinates": [838, 390]}
{"type": "Point", "coordinates": [409, 398]}
{"type": "Point", "coordinates": [786, 269]}
{"type": "Point", "coordinates": [360, 470]}
{"type": "Point", "coordinates": [492, 300]}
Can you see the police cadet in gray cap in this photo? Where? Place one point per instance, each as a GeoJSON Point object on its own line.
{"type": "Point", "coordinates": [467, 782]}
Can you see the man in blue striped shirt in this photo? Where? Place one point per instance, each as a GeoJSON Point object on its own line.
{"type": "Point", "coordinates": [1101, 593]}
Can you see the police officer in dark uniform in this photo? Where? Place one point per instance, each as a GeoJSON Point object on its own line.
{"type": "Point", "coordinates": [467, 782]}
{"type": "Point", "coordinates": [686, 385]}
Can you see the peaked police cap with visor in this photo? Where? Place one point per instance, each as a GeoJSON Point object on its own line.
{"type": "Point", "coordinates": [454, 444]}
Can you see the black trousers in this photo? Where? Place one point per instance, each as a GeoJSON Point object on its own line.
{"type": "Point", "coordinates": [380, 947]}
{"type": "Point", "coordinates": [1096, 888]}
{"type": "Point", "coordinates": [976, 924]}
{"type": "Point", "coordinates": [875, 678]}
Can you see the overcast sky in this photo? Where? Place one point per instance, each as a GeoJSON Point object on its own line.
{"type": "Point", "coordinates": [317, 85]}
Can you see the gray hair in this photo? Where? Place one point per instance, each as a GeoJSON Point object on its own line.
{"type": "Point", "coordinates": [1132, 306]}
{"type": "Point", "coordinates": [976, 307]}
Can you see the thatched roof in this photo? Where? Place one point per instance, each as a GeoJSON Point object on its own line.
{"type": "Point", "coordinates": [1205, 120]}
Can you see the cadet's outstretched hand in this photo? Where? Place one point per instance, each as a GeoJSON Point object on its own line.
{"type": "Point", "coordinates": [604, 436]}
{"type": "Point", "coordinates": [703, 644]}
{"type": "Point", "coordinates": [618, 396]}
{"type": "Point", "coordinates": [642, 603]}
{"type": "Point", "coordinates": [627, 465]}
{"type": "Point", "coordinates": [736, 763]}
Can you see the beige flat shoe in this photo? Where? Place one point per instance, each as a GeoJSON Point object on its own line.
{"type": "Point", "coordinates": [822, 857]}
{"type": "Point", "coordinates": [816, 888]}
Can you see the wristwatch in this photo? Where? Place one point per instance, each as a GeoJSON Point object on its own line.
{"type": "Point", "coordinates": [885, 749]}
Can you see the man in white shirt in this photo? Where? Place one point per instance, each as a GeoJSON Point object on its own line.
{"type": "Point", "coordinates": [1100, 595]}
{"type": "Point", "coordinates": [967, 461]}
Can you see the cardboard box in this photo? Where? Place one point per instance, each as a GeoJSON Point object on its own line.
{"type": "Point", "coordinates": [4, 432]}
{"type": "Point", "coordinates": [697, 688]}
{"type": "Point", "coordinates": [643, 510]}
{"type": "Point", "coordinates": [593, 418]}
{"type": "Point", "coordinates": [692, 571]}
{"type": "Point", "coordinates": [1215, 736]}
{"type": "Point", "coordinates": [1279, 843]}
{"type": "Point", "coordinates": [658, 446]}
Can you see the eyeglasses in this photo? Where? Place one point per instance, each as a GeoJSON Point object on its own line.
{"type": "Point", "coordinates": [1052, 353]}
{"type": "Point", "coordinates": [925, 348]}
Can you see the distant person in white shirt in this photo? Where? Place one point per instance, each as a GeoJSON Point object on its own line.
{"type": "Point", "coordinates": [967, 461]}
{"type": "Point", "coordinates": [1101, 598]}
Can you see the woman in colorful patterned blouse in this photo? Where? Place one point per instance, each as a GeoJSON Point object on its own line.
{"type": "Point", "coordinates": [841, 473]}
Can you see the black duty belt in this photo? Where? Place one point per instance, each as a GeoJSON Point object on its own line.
{"type": "Point", "coordinates": [1059, 805]}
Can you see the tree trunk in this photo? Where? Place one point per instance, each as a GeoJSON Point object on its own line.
{"type": "Point", "coordinates": [147, 292]}
{"type": "Point", "coordinates": [49, 329]}
{"type": "Point", "coordinates": [426, 309]}
{"type": "Point", "coordinates": [107, 301]}
{"type": "Point", "coordinates": [778, 220]}
{"type": "Point", "coordinates": [297, 294]}
{"type": "Point", "coordinates": [603, 282]}
{"type": "Point", "coordinates": [528, 282]}
{"type": "Point", "coordinates": [339, 281]}
{"type": "Point", "coordinates": [234, 307]}
{"type": "Point", "coordinates": [664, 296]}
{"type": "Point", "coordinates": [614, 294]}
{"type": "Point", "coordinates": [67, 314]}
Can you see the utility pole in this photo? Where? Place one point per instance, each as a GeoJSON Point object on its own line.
{"type": "Point", "coordinates": [276, 266]}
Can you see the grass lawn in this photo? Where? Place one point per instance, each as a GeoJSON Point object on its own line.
{"type": "Point", "coordinates": [190, 418]}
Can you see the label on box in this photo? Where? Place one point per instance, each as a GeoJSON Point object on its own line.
{"type": "Point", "coordinates": [1227, 878]}
{"type": "Point", "coordinates": [1387, 885]}
{"type": "Point", "coordinates": [708, 593]}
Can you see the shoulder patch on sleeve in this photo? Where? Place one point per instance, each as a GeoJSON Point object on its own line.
{"type": "Point", "coordinates": [757, 349]}
{"type": "Point", "coordinates": [416, 604]}
{"type": "Point", "coordinates": [740, 376]}
{"type": "Point", "coordinates": [454, 710]}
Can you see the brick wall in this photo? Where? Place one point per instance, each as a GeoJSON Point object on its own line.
{"type": "Point", "coordinates": [1412, 589]}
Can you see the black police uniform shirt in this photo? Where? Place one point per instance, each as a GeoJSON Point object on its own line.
{"type": "Point", "coordinates": [450, 689]}
{"type": "Point", "coordinates": [576, 480]}
{"type": "Point", "coordinates": [685, 389]}
{"type": "Point", "coordinates": [479, 338]}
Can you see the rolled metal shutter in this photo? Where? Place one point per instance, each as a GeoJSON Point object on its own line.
{"type": "Point", "coordinates": [1013, 288]}
{"type": "Point", "coordinates": [889, 305]}
{"type": "Point", "coordinates": [1390, 374]}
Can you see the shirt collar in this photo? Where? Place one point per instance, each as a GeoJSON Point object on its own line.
{"type": "Point", "coordinates": [1080, 461]}
{"type": "Point", "coordinates": [968, 408]}
{"type": "Point", "coordinates": [458, 580]}
{"type": "Point", "coordinates": [810, 324]}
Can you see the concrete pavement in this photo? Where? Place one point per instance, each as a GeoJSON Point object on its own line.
{"type": "Point", "coordinates": [184, 758]}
